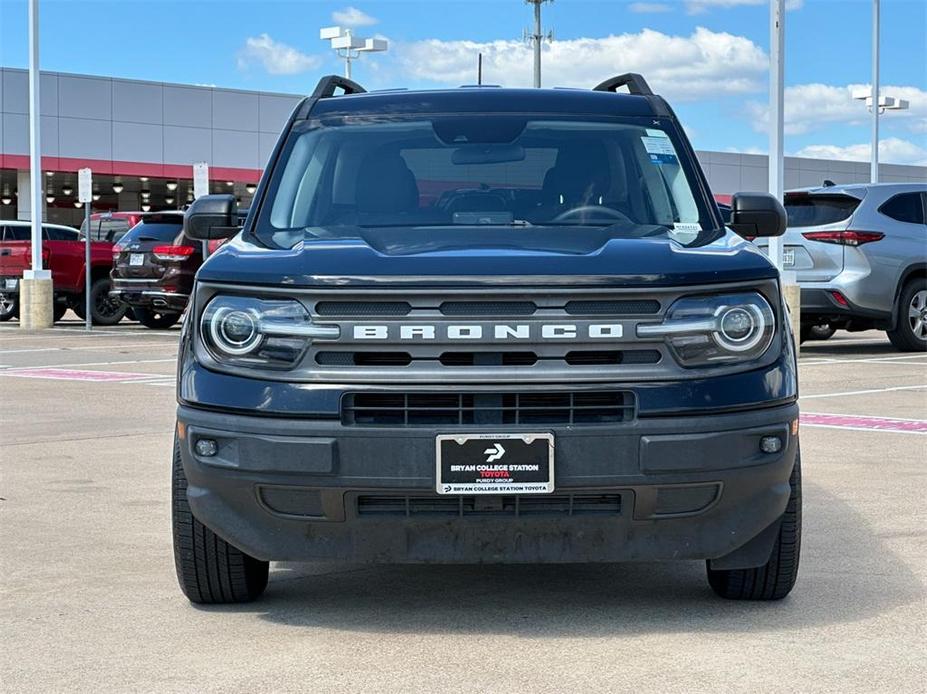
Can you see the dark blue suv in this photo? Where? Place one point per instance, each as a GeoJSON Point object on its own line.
{"type": "Point", "coordinates": [486, 325]}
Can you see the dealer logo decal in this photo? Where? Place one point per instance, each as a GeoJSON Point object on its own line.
{"type": "Point", "coordinates": [495, 453]}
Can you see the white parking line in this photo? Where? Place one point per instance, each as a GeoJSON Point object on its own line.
{"type": "Point", "coordinates": [111, 363]}
{"type": "Point", "coordinates": [862, 392]}
{"type": "Point", "coordinates": [881, 360]}
{"type": "Point", "coordinates": [81, 348]}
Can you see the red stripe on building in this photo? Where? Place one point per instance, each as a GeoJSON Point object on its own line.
{"type": "Point", "coordinates": [130, 168]}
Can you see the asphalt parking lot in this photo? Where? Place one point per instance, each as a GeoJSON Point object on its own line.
{"type": "Point", "coordinates": [90, 601]}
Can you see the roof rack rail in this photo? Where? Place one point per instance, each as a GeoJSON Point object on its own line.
{"type": "Point", "coordinates": [635, 83]}
{"type": "Point", "coordinates": [328, 84]}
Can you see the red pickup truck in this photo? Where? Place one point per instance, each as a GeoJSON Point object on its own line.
{"type": "Point", "coordinates": [63, 254]}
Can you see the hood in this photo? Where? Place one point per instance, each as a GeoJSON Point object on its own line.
{"type": "Point", "coordinates": [468, 256]}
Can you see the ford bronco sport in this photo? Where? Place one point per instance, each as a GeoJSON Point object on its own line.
{"type": "Point", "coordinates": [486, 325]}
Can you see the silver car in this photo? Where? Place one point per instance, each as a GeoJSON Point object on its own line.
{"type": "Point", "coordinates": [860, 255]}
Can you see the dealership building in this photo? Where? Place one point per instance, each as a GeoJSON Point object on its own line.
{"type": "Point", "coordinates": [141, 140]}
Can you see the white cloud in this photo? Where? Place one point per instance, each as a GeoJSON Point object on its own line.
{"type": "Point", "coordinates": [892, 150]}
{"type": "Point", "coordinates": [809, 107]}
{"type": "Point", "coordinates": [704, 64]}
{"type": "Point", "coordinates": [275, 57]}
{"type": "Point", "coordinates": [746, 150]}
{"type": "Point", "coordinates": [649, 7]}
{"type": "Point", "coordinates": [353, 17]}
{"type": "Point", "coordinates": [700, 6]}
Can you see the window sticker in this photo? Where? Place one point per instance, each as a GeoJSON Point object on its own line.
{"type": "Point", "coordinates": [657, 133]}
{"type": "Point", "coordinates": [660, 150]}
{"type": "Point", "coordinates": [687, 227]}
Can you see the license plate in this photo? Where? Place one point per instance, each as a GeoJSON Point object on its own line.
{"type": "Point", "coordinates": [10, 284]}
{"type": "Point", "coordinates": [136, 259]}
{"type": "Point", "coordinates": [495, 463]}
{"type": "Point", "coordinates": [788, 257]}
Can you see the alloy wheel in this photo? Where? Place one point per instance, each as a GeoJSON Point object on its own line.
{"type": "Point", "coordinates": [917, 314]}
{"type": "Point", "coordinates": [6, 305]}
{"type": "Point", "coordinates": [107, 306]}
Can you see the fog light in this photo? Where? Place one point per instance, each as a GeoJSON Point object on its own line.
{"type": "Point", "coordinates": [768, 444]}
{"type": "Point", "coordinates": [207, 448]}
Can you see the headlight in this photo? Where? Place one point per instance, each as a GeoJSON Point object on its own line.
{"type": "Point", "coordinates": [705, 330]}
{"type": "Point", "coordinates": [271, 333]}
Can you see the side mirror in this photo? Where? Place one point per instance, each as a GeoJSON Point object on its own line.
{"type": "Point", "coordinates": [757, 214]}
{"type": "Point", "coordinates": [212, 217]}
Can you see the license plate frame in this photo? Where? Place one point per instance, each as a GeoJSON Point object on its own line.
{"type": "Point", "coordinates": [136, 259]}
{"type": "Point", "coordinates": [493, 455]}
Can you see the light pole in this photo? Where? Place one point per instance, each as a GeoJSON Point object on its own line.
{"type": "Point", "coordinates": [877, 104]}
{"type": "Point", "coordinates": [537, 38]}
{"type": "Point", "coordinates": [36, 295]}
{"type": "Point", "coordinates": [776, 114]}
{"type": "Point", "coordinates": [349, 47]}
{"type": "Point", "coordinates": [790, 289]}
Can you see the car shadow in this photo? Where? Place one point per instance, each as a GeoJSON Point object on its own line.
{"type": "Point", "coordinates": [847, 574]}
{"type": "Point", "coordinates": [875, 344]}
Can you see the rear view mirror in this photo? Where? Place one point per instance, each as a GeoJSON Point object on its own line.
{"type": "Point", "coordinates": [212, 217]}
{"type": "Point", "coordinates": [757, 215]}
{"type": "Point", "coordinates": [488, 154]}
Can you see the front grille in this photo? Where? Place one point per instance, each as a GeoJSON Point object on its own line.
{"type": "Point", "coordinates": [531, 334]}
{"type": "Point", "coordinates": [432, 409]}
{"type": "Point", "coordinates": [408, 506]}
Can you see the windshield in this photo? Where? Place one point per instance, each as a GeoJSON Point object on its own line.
{"type": "Point", "coordinates": [347, 174]}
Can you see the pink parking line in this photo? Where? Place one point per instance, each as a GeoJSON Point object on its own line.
{"type": "Point", "coordinates": [77, 374]}
{"type": "Point", "coordinates": [864, 423]}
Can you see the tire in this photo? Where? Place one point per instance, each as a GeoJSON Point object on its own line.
{"type": "Point", "coordinates": [155, 319]}
{"type": "Point", "coordinates": [210, 570]}
{"type": "Point", "coordinates": [910, 333]}
{"type": "Point", "coordinates": [105, 310]}
{"type": "Point", "coordinates": [9, 307]}
{"type": "Point", "coordinates": [58, 311]}
{"type": "Point", "coordinates": [824, 331]}
{"type": "Point", "coordinates": [775, 579]}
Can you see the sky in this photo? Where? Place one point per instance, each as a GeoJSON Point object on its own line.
{"type": "Point", "coordinates": [709, 58]}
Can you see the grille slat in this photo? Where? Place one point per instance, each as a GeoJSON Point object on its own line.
{"type": "Point", "coordinates": [427, 409]}
{"type": "Point", "coordinates": [488, 308]}
{"type": "Point", "coordinates": [408, 506]}
{"type": "Point", "coordinates": [363, 308]}
{"type": "Point", "coordinates": [453, 359]}
{"type": "Point", "coordinates": [617, 307]}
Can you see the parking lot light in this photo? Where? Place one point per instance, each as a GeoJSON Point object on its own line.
{"type": "Point", "coordinates": [349, 46]}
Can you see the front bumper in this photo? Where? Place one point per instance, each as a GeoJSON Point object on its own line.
{"type": "Point", "coordinates": [681, 487]}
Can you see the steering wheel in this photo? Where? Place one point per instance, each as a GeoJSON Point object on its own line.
{"type": "Point", "coordinates": [583, 209]}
